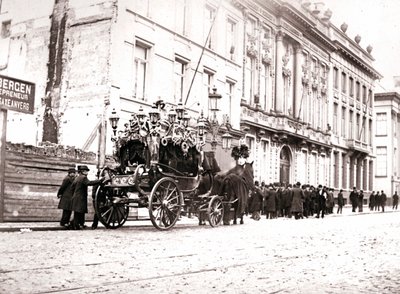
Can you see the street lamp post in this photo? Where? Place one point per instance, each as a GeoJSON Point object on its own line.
{"type": "Point", "coordinates": [215, 125]}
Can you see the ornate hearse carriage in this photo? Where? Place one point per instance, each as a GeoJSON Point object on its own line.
{"type": "Point", "coordinates": [162, 166]}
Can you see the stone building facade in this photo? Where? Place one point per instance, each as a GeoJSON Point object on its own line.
{"type": "Point", "coordinates": [387, 142]}
{"type": "Point", "coordinates": [294, 87]}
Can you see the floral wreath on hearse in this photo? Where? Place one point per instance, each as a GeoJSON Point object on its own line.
{"type": "Point", "coordinates": [242, 151]}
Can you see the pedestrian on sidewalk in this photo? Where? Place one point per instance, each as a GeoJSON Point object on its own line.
{"type": "Point", "coordinates": [330, 201]}
{"type": "Point", "coordinates": [395, 200]}
{"type": "Point", "coordinates": [383, 200]}
{"type": "Point", "coordinates": [79, 198]}
{"type": "Point", "coordinates": [297, 201]}
{"type": "Point", "coordinates": [256, 202]}
{"type": "Point", "coordinates": [378, 201]}
{"type": "Point", "coordinates": [321, 199]}
{"type": "Point", "coordinates": [360, 201]}
{"type": "Point", "coordinates": [340, 201]}
{"type": "Point", "coordinates": [65, 193]}
{"type": "Point", "coordinates": [354, 199]}
{"type": "Point", "coordinates": [372, 199]}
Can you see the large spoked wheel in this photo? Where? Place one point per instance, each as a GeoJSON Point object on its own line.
{"type": "Point", "coordinates": [165, 204]}
{"type": "Point", "coordinates": [215, 211]}
{"type": "Point", "coordinates": [112, 213]}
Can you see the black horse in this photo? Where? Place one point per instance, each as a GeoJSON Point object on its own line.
{"type": "Point", "coordinates": [234, 185]}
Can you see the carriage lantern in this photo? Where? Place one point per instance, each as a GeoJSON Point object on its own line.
{"type": "Point", "coordinates": [214, 97]}
{"type": "Point", "coordinates": [186, 119]}
{"type": "Point", "coordinates": [226, 141]}
{"type": "Point", "coordinates": [154, 115]}
{"type": "Point", "coordinates": [114, 118]}
{"type": "Point", "coordinates": [141, 115]}
{"type": "Point", "coordinates": [180, 111]}
{"type": "Point", "coordinates": [201, 125]}
{"type": "Point", "coordinates": [172, 116]}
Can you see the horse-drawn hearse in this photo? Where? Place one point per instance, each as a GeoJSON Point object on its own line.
{"type": "Point", "coordinates": [162, 166]}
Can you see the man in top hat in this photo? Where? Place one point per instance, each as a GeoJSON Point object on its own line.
{"type": "Point", "coordinates": [65, 194]}
{"type": "Point", "coordinates": [79, 198]}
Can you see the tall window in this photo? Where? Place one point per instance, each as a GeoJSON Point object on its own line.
{"type": "Point", "coordinates": [351, 87]}
{"type": "Point", "coordinates": [209, 19]}
{"type": "Point", "coordinates": [351, 126]}
{"type": "Point", "coordinates": [344, 171]}
{"type": "Point", "coordinates": [358, 127]}
{"type": "Point", "coordinates": [370, 131]}
{"type": "Point", "coordinates": [381, 124]}
{"type": "Point", "coordinates": [231, 39]}
{"type": "Point", "coordinates": [336, 169]}
{"type": "Point", "coordinates": [208, 83]}
{"type": "Point", "coordinates": [336, 78]}
{"type": "Point", "coordinates": [264, 163]}
{"type": "Point", "coordinates": [381, 161]}
{"type": "Point", "coordinates": [363, 127]}
{"type": "Point", "coordinates": [335, 118]}
{"type": "Point", "coordinates": [344, 83]}
{"type": "Point", "coordinates": [230, 90]}
{"type": "Point", "coordinates": [250, 143]}
{"type": "Point", "coordinates": [143, 7]}
{"type": "Point", "coordinates": [358, 91]}
{"type": "Point", "coordinates": [370, 99]}
{"type": "Point", "coordinates": [250, 81]}
{"type": "Point", "coordinates": [180, 16]}
{"type": "Point", "coordinates": [343, 122]}
{"type": "Point", "coordinates": [265, 87]}
{"type": "Point", "coordinates": [180, 67]}
{"type": "Point", "coordinates": [141, 70]}
{"type": "Point", "coordinates": [364, 95]}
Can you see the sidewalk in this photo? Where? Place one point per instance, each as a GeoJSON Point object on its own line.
{"type": "Point", "coordinates": [144, 221]}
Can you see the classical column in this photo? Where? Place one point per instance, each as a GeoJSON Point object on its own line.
{"type": "Point", "coordinates": [358, 173]}
{"type": "Point", "coordinates": [351, 170]}
{"type": "Point", "coordinates": [279, 78]}
{"type": "Point", "coordinates": [297, 82]}
{"type": "Point", "coordinates": [365, 174]}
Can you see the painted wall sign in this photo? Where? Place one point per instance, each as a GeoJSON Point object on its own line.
{"type": "Point", "coordinates": [17, 95]}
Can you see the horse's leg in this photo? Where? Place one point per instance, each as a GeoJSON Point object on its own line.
{"type": "Point", "coordinates": [235, 215]}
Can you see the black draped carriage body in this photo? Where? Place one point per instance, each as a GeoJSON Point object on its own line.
{"type": "Point", "coordinates": [161, 166]}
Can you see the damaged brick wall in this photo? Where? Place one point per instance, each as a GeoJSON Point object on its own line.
{"type": "Point", "coordinates": [54, 73]}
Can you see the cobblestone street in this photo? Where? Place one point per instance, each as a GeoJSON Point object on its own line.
{"type": "Point", "coordinates": [338, 254]}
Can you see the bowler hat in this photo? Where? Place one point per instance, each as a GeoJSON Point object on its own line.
{"type": "Point", "coordinates": [82, 168]}
{"type": "Point", "coordinates": [71, 170]}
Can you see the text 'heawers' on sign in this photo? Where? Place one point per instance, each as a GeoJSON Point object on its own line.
{"type": "Point", "coordinates": [17, 95]}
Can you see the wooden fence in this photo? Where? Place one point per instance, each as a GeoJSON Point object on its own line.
{"type": "Point", "coordinates": [32, 176]}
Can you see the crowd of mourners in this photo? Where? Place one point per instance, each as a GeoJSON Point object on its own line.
{"type": "Point", "coordinates": [303, 201]}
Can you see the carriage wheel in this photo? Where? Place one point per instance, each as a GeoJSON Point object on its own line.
{"type": "Point", "coordinates": [111, 215]}
{"type": "Point", "coordinates": [215, 211]}
{"type": "Point", "coordinates": [165, 204]}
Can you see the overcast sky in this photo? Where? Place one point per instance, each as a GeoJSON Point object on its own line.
{"type": "Point", "coordinates": [378, 24]}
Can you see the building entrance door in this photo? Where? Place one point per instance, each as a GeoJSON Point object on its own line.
{"type": "Point", "coordinates": [284, 168]}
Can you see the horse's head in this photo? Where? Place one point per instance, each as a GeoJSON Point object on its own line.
{"type": "Point", "coordinates": [248, 173]}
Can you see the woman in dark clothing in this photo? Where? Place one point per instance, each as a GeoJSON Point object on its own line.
{"type": "Point", "coordinates": [65, 194]}
{"type": "Point", "coordinates": [79, 198]}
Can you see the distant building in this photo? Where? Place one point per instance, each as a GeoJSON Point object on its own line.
{"type": "Point", "coordinates": [387, 142]}
{"type": "Point", "coordinates": [294, 87]}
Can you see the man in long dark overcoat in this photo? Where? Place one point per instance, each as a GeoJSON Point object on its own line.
{"type": "Point", "coordinates": [321, 199]}
{"type": "Point", "coordinates": [270, 202]}
{"type": "Point", "coordinates": [297, 201]}
{"type": "Point", "coordinates": [354, 199]}
{"type": "Point", "coordinates": [65, 193]}
{"type": "Point", "coordinates": [79, 198]}
{"type": "Point", "coordinates": [383, 200]}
